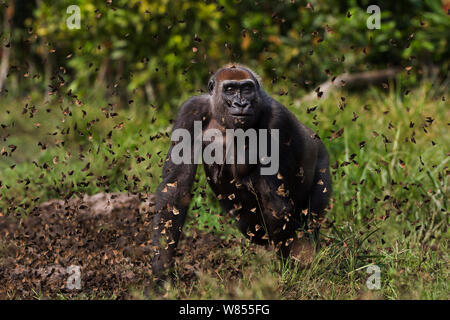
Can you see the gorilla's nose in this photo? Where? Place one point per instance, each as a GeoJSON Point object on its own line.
{"type": "Point", "coordinates": [242, 104]}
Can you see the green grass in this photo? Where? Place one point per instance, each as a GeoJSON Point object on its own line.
{"type": "Point", "coordinates": [389, 207]}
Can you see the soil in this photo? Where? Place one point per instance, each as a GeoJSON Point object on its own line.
{"type": "Point", "coordinates": [106, 235]}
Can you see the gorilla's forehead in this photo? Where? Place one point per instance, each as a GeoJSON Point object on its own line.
{"type": "Point", "coordinates": [237, 82]}
{"type": "Point", "coordinates": [233, 74]}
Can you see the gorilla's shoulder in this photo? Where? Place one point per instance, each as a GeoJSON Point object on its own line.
{"type": "Point", "coordinates": [285, 119]}
{"type": "Point", "coordinates": [202, 101]}
{"type": "Point", "coordinates": [277, 113]}
{"type": "Point", "coordinates": [194, 108]}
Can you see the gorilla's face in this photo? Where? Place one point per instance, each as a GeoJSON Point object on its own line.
{"type": "Point", "coordinates": [236, 97]}
{"type": "Point", "coordinates": [240, 99]}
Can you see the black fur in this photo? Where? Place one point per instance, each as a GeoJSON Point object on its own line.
{"type": "Point", "coordinates": [269, 209]}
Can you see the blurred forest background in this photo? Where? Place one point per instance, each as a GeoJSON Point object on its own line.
{"type": "Point", "coordinates": [89, 110]}
{"type": "Point", "coordinates": [162, 50]}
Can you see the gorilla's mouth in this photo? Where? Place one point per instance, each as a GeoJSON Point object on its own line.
{"type": "Point", "coordinates": [241, 115]}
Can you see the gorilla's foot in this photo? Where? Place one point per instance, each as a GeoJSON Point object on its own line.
{"type": "Point", "coordinates": [303, 251]}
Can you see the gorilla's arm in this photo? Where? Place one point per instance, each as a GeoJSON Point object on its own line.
{"type": "Point", "coordinates": [174, 193]}
{"type": "Point", "coordinates": [303, 178]}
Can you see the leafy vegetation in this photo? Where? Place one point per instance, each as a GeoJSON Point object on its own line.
{"type": "Point", "coordinates": [90, 110]}
{"type": "Point", "coordinates": [390, 205]}
{"type": "Point", "coordinates": [161, 50]}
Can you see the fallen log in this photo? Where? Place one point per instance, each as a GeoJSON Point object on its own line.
{"type": "Point", "coordinates": [350, 80]}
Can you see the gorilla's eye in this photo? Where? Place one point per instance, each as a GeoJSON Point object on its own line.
{"type": "Point", "coordinates": [247, 89]}
{"type": "Point", "coordinates": [229, 90]}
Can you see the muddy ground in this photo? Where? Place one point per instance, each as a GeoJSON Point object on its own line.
{"type": "Point", "coordinates": [106, 235]}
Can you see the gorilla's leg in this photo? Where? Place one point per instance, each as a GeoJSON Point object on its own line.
{"type": "Point", "coordinates": [276, 210]}
{"type": "Point", "coordinates": [304, 248]}
{"type": "Point", "coordinates": [320, 193]}
{"type": "Point", "coordinates": [321, 190]}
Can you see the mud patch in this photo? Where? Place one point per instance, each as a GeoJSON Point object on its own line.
{"type": "Point", "coordinates": [108, 236]}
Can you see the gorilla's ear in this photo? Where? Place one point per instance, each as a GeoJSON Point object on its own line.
{"type": "Point", "coordinates": [211, 86]}
{"type": "Point", "coordinates": [258, 85]}
{"type": "Point", "coordinates": [257, 80]}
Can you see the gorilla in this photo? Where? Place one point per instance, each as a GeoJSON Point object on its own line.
{"type": "Point", "coordinates": [282, 209]}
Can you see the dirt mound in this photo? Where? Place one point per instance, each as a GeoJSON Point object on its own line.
{"type": "Point", "coordinates": [104, 237]}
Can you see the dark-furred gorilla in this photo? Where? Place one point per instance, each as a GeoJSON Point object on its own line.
{"type": "Point", "coordinates": [269, 209]}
